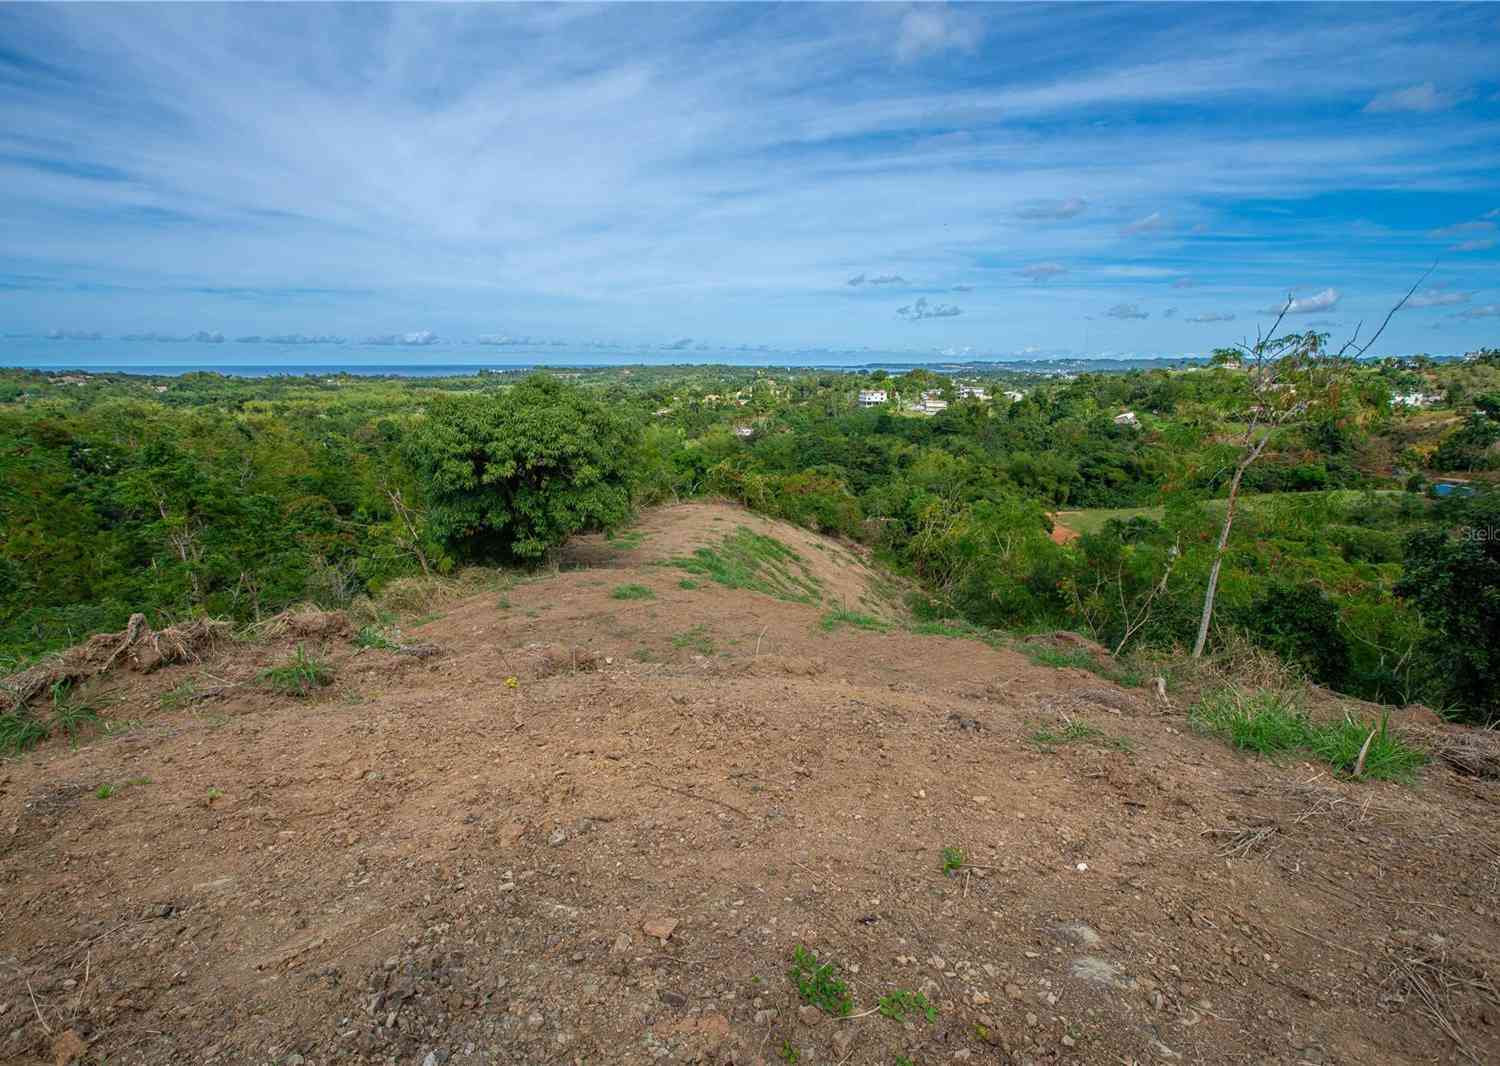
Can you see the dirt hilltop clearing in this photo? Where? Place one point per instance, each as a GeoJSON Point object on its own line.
{"type": "Point", "coordinates": [699, 768]}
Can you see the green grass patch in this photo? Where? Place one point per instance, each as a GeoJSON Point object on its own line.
{"type": "Point", "coordinates": [300, 676]}
{"type": "Point", "coordinates": [958, 630]}
{"type": "Point", "coordinates": [375, 637]}
{"type": "Point", "coordinates": [626, 540]}
{"type": "Point", "coordinates": [689, 583]}
{"type": "Point", "coordinates": [819, 983]}
{"type": "Point", "coordinates": [842, 616]}
{"type": "Point", "coordinates": [694, 639]}
{"type": "Point", "coordinates": [748, 560]}
{"type": "Point", "coordinates": [1272, 723]}
{"type": "Point", "coordinates": [898, 1004]}
{"type": "Point", "coordinates": [632, 592]}
{"type": "Point", "coordinates": [1082, 659]}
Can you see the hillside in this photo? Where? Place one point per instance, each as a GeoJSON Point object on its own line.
{"type": "Point", "coordinates": [591, 817]}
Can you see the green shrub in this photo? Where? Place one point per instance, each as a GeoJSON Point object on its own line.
{"type": "Point", "coordinates": [632, 592]}
{"type": "Point", "coordinates": [299, 677]}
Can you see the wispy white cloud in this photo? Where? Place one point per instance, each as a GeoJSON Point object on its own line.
{"type": "Point", "coordinates": [1155, 222]}
{"type": "Point", "coordinates": [1055, 210]}
{"type": "Point", "coordinates": [421, 338]}
{"type": "Point", "coordinates": [1323, 300]}
{"type": "Point", "coordinates": [1479, 244]}
{"type": "Point", "coordinates": [1418, 98]}
{"type": "Point", "coordinates": [1438, 297]}
{"type": "Point", "coordinates": [1211, 316]}
{"type": "Point", "coordinates": [1481, 311]}
{"type": "Point", "coordinates": [930, 29]}
{"type": "Point", "coordinates": [1127, 311]}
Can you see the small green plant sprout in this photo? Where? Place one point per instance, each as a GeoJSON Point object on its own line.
{"type": "Point", "coordinates": [687, 583]}
{"type": "Point", "coordinates": [898, 1004]}
{"type": "Point", "coordinates": [788, 1053]}
{"type": "Point", "coordinates": [214, 793]}
{"type": "Point", "coordinates": [104, 791]}
{"type": "Point", "coordinates": [695, 639]}
{"type": "Point", "coordinates": [632, 592]}
{"type": "Point", "coordinates": [819, 984]}
{"type": "Point", "coordinates": [300, 677]}
{"type": "Point", "coordinates": [953, 860]}
{"type": "Point", "coordinates": [902, 1060]}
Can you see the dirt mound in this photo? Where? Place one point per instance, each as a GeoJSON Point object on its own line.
{"type": "Point", "coordinates": [617, 862]}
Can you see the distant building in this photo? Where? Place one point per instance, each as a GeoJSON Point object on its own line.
{"type": "Point", "coordinates": [931, 405]}
{"type": "Point", "coordinates": [1416, 399]}
{"type": "Point", "coordinates": [1127, 419]}
{"type": "Point", "coordinates": [973, 392]}
{"type": "Point", "coordinates": [744, 432]}
{"type": "Point", "coordinates": [1013, 395]}
{"type": "Point", "coordinates": [873, 397]}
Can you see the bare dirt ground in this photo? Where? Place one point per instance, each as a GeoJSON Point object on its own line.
{"type": "Point", "coordinates": [614, 859]}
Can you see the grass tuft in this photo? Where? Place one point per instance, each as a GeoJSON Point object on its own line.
{"type": "Point", "coordinates": [1271, 723]}
{"type": "Point", "coordinates": [299, 677]}
{"type": "Point", "coordinates": [632, 592]}
{"type": "Point", "coordinates": [842, 616]}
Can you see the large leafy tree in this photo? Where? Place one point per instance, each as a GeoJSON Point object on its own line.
{"type": "Point", "coordinates": [1452, 574]}
{"type": "Point", "coordinates": [514, 474]}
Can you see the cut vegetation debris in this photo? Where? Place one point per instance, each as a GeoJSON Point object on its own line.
{"type": "Point", "coordinates": [1272, 723]}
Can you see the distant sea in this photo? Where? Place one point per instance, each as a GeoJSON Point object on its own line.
{"type": "Point", "coordinates": [172, 358]}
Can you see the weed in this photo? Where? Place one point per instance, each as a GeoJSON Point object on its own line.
{"type": "Point", "coordinates": [137, 781]}
{"type": "Point", "coordinates": [951, 627]}
{"type": "Point", "coordinates": [688, 583]}
{"type": "Point", "coordinates": [842, 616]}
{"type": "Point", "coordinates": [375, 637]}
{"type": "Point", "coordinates": [72, 711]}
{"type": "Point", "coordinates": [104, 791]}
{"type": "Point", "coordinates": [1074, 658]}
{"type": "Point", "coordinates": [629, 540]}
{"type": "Point", "coordinates": [902, 1060]}
{"type": "Point", "coordinates": [695, 639]}
{"type": "Point", "coordinates": [179, 696]}
{"type": "Point", "coordinates": [503, 603]}
{"type": "Point", "coordinates": [645, 655]}
{"type": "Point", "coordinates": [898, 1004]}
{"type": "Point", "coordinates": [632, 592]}
{"type": "Point", "coordinates": [953, 860]}
{"type": "Point", "coordinates": [788, 1053]}
{"type": "Point", "coordinates": [20, 731]}
{"type": "Point", "coordinates": [819, 984]}
{"type": "Point", "coordinates": [300, 676]}
{"type": "Point", "coordinates": [1387, 759]}
{"type": "Point", "coordinates": [1265, 722]}
{"type": "Point", "coordinates": [214, 794]}
{"type": "Point", "coordinates": [1270, 723]}
{"type": "Point", "coordinates": [1073, 731]}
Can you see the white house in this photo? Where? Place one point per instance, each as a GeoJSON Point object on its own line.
{"type": "Point", "coordinates": [1127, 419]}
{"type": "Point", "coordinates": [872, 397]}
{"type": "Point", "coordinates": [973, 392]}
{"type": "Point", "coordinates": [1013, 395]}
{"type": "Point", "coordinates": [1416, 399]}
{"type": "Point", "coordinates": [744, 432]}
{"type": "Point", "coordinates": [931, 405]}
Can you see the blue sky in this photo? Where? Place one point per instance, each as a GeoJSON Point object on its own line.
{"type": "Point", "coordinates": [995, 180]}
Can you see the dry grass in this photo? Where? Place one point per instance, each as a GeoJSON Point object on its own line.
{"type": "Point", "coordinates": [1242, 841]}
{"type": "Point", "coordinates": [1434, 979]}
{"type": "Point", "coordinates": [1472, 752]}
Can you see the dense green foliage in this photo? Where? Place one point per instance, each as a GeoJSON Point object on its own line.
{"type": "Point", "coordinates": [515, 473]}
{"type": "Point", "coordinates": [235, 498]}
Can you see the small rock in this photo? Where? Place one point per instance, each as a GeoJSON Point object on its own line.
{"type": "Point", "coordinates": [558, 838]}
{"type": "Point", "coordinates": [661, 928]}
{"type": "Point", "coordinates": [1031, 1020]}
{"type": "Point", "coordinates": [672, 999]}
{"type": "Point", "coordinates": [765, 1017]}
{"type": "Point", "coordinates": [981, 999]}
{"type": "Point", "coordinates": [807, 1014]}
{"type": "Point", "coordinates": [621, 944]}
{"type": "Point", "coordinates": [1013, 991]}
